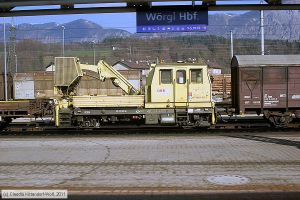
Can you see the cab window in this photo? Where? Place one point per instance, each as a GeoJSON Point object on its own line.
{"type": "Point", "coordinates": [166, 76]}
{"type": "Point", "coordinates": [181, 76]}
{"type": "Point", "coordinates": [196, 76]}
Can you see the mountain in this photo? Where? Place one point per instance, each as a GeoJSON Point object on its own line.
{"type": "Point", "coordinates": [283, 25]}
{"type": "Point", "coordinates": [278, 25]}
{"type": "Point", "coordinates": [76, 31]}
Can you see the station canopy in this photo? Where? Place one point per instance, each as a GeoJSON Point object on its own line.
{"type": "Point", "coordinates": [54, 7]}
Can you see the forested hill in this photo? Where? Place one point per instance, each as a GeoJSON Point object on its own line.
{"type": "Point", "coordinates": [211, 50]}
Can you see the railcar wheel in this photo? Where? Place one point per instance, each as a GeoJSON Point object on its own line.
{"type": "Point", "coordinates": [5, 123]}
{"type": "Point", "coordinates": [278, 119]}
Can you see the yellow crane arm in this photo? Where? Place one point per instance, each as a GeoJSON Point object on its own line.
{"type": "Point", "coordinates": [69, 71]}
{"type": "Point", "coordinates": [106, 71]}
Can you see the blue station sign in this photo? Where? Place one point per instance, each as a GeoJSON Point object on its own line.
{"type": "Point", "coordinates": [153, 21]}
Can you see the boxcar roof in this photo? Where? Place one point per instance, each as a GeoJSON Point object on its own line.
{"type": "Point", "coordinates": [265, 60]}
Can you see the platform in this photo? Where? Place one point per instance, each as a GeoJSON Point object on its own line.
{"type": "Point", "coordinates": [154, 164]}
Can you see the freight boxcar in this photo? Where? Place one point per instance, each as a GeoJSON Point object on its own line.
{"type": "Point", "coordinates": [9, 87]}
{"type": "Point", "coordinates": [33, 85]}
{"type": "Point", "coordinates": [27, 96]}
{"type": "Point", "coordinates": [268, 85]}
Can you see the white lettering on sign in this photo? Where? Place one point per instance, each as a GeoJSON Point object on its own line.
{"type": "Point", "coordinates": [160, 17]}
{"type": "Point", "coordinates": [282, 95]}
{"type": "Point", "coordinates": [296, 96]}
{"type": "Point", "coordinates": [188, 16]}
{"type": "Point", "coordinates": [270, 100]}
{"type": "Point", "coordinates": [183, 16]}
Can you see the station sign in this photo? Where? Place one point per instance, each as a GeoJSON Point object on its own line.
{"type": "Point", "coordinates": [155, 21]}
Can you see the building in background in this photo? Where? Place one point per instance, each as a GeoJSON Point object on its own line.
{"type": "Point", "coordinates": [137, 73]}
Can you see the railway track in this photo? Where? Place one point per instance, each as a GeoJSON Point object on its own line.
{"type": "Point", "coordinates": [237, 127]}
{"type": "Point", "coordinates": [254, 124]}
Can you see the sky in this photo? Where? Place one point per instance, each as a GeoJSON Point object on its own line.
{"type": "Point", "coordinates": [124, 21]}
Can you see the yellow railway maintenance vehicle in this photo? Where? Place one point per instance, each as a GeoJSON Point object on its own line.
{"type": "Point", "coordinates": [175, 95]}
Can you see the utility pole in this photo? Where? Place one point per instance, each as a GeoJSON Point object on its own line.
{"type": "Point", "coordinates": [94, 52]}
{"type": "Point", "coordinates": [231, 43]}
{"type": "Point", "coordinates": [11, 56]}
{"type": "Point", "coordinates": [16, 60]}
{"type": "Point", "coordinates": [5, 63]}
{"type": "Point", "coordinates": [63, 41]}
{"type": "Point", "coordinates": [130, 52]}
{"type": "Point", "coordinates": [262, 31]}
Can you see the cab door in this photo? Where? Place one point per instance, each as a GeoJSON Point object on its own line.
{"type": "Point", "coordinates": [180, 87]}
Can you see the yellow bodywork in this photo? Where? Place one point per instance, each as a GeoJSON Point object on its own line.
{"type": "Point", "coordinates": [169, 86]}
{"type": "Point", "coordinates": [188, 86]}
{"type": "Point", "coordinates": [67, 75]}
{"type": "Point", "coordinates": [69, 70]}
{"type": "Point", "coordinates": [108, 101]}
{"type": "Point", "coordinates": [60, 104]}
